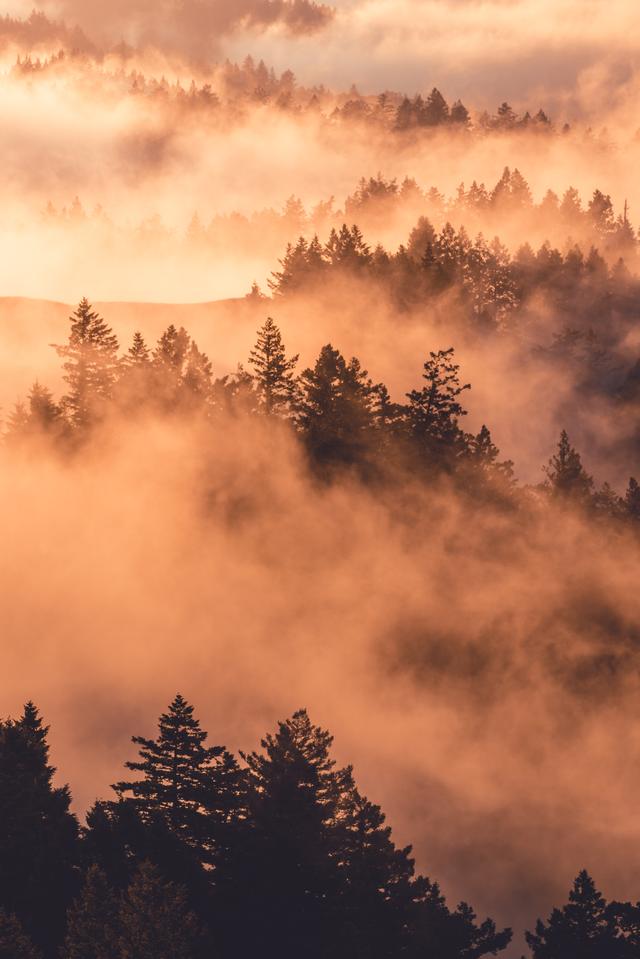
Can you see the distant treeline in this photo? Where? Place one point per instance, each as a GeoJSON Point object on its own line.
{"type": "Point", "coordinates": [378, 204]}
{"type": "Point", "coordinates": [344, 420]}
{"type": "Point", "coordinates": [204, 855]}
{"type": "Point", "coordinates": [230, 85]}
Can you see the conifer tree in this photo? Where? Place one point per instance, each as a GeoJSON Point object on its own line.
{"type": "Point", "coordinates": [192, 786]}
{"type": "Point", "coordinates": [336, 408]}
{"type": "Point", "coordinates": [632, 499]}
{"type": "Point", "coordinates": [93, 922]}
{"type": "Point", "coordinates": [586, 927]}
{"type": "Point", "coordinates": [38, 833]}
{"type": "Point", "coordinates": [14, 944]}
{"type": "Point", "coordinates": [287, 869]}
{"type": "Point", "coordinates": [138, 353]}
{"type": "Point", "coordinates": [436, 109]}
{"type": "Point", "coordinates": [483, 455]}
{"type": "Point", "coordinates": [566, 476]}
{"type": "Point", "coordinates": [273, 372]}
{"type": "Point", "coordinates": [197, 378]}
{"type": "Point", "coordinates": [155, 921]}
{"type": "Point", "coordinates": [436, 930]}
{"type": "Point", "coordinates": [136, 382]}
{"type": "Point", "coordinates": [435, 409]}
{"type": "Point", "coordinates": [90, 366]}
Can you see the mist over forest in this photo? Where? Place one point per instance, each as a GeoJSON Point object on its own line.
{"type": "Point", "coordinates": [320, 465]}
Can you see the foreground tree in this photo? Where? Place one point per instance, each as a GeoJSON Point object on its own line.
{"type": "Point", "coordinates": [38, 833]}
{"type": "Point", "coordinates": [155, 921]}
{"type": "Point", "coordinates": [13, 942]}
{"type": "Point", "coordinates": [92, 928]}
{"type": "Point", "coordinates": [587, 927]}
{"type": "Point", "coordinates": [193, 787]}
{"type": "Point", "coordinates": [285, 874]}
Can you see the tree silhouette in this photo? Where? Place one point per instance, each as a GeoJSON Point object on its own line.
{"type": "Point", "coordinates": [287, 870]}
{"type": "Point", "coordinates": [632, 499]}
{"type": "Point", "coordinates": [90, 366]}
{"type": "Point", "coordinates": [566, 476]}
{"type": "Point", "coordinates": [585, 927]}
{"type": "Point", "coordinates": [38, 833]}
{"type": "Point", "coordinates": [273, 372]}
{"type": "Point", "coordinates": [155, 921]}
{"type": "Point", "coordinates": [93, 921]}
{"type": "Point", "coordinates": [194, 787]}
{"type": "Point", "coordinates": [435, 409]}
{"type": "Point", "coordinates": [336, 410]}
{"type": "Point", "coordinates": [13, 942]}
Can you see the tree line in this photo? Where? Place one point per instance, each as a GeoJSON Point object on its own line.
{"type": "Point", "coordinates": [344, 420]}
{"type": "Point", "coordinates": [276, 852]}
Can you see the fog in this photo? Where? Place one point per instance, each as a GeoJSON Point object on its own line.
{"type": "Point", "coordinates": [170, 559]}
{"type": "Point", "coordinates": [478, 665]}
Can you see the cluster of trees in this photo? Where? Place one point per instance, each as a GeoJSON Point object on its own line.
{"type": "Point", "coordinates": [490, 286]}
{"type": "Point", "coordinates": [38, 30]}
{"type": "Point", "coordinates": [232, 84]}
{"type": "Point", "coordinates": [343, 418]}
{"type": "Point", "coordinates": [201, 853]}
{"type": "Point", "coordinates": [434, 111]}
{"type": "Point", "coordinates": [378, 202]}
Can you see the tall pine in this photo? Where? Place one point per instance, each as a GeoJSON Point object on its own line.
{"type": "Point", "coordinates": [38, 833]}
{"type": "Point", "coordinates": [273, 371]}
{"type": "Point", "coordinates": [90, 366]}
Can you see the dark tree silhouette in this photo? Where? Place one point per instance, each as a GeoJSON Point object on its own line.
{"type": "Point", "coordinates": [586, 927]}
{"type": "Point", "coordinates": [435, 409]}
{"type": "Point", "coordinates": [632, 499]}
{"type": "Point", "coordinates": [566, 476]}
{"type": "Point", "coordinates": [336, 410]}
{"type": "Point", "coordinates": [13, 942]}
{"type": "Point", "coordinates": [155, 921]}
{"type": "Point", "coordinates": [38, 833]}
{"type": "Point", "coordinates": [195, 788]}
{"type": "Point", "coordinates": [273, 371]}
{"type": "Point", "coordinates": [93, 921]}
{"type": "Point", "coordinates": [287, 868]}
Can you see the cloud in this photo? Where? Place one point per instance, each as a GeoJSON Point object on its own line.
{"type": "Point", "coordinates": [194, 27]}
{"type": "Point", "coordinates": [528, 51]}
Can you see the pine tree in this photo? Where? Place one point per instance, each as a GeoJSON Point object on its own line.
{"type": "Point", "coordinates": [460, 114]}
{"type": "Point", "coordinates": [138, 353]}
{"type": "Point", "coordinates": [337, 408]}
{"type": "Point", "coordinates": [93, 923]}
{"type": "Point", "coordinates": [192, 786]}
{"type": "Point", "coordinates": [13, 942]}
{"type": "Point", "coordinates": [197, 380]}
{"type": "Point", "coordinates": [90, 367]}
{"type": "Point", "coordinates": [38, 833]}
{"type": "Point", "coordinates": [436, 110]}
{"type": "Point", "coordinates": [155, 921]}
{"type": "Point", "coordinates": [136, 382]}
{"type": "Point", "coordinates": [379, 890]}
{"type": "Point", "coordinates": [566, 476]}
{"type": "Point", "coordinates": [632, 499]}
{"type": "Point", "coordinates": [586, 927]}
{"type": "Point", "coordinates": [286, 872]}
{"type": "Point", "coordinates": [273, 372]}
{"type": "Point", "coordinates": [483, 456]}
{"type": "Point", "coordinates": [435, 409]}
{"type": "Point", "coordinates": [436, 930]}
